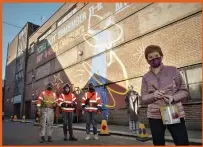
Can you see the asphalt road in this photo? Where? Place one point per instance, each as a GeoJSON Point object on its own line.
{"type": "Point", "coordinates": [15, 133]}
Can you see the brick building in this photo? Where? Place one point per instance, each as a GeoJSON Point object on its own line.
{"type": "Point", "coordinates": [15, 67]}
{"type": "Point", "coordinates": [104, 43]}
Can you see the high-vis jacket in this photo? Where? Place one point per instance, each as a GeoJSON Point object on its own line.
{"type": "Point", "coordinates": [46, 99]}
{"type": "Point", "coordinates": [91, 101]}
{"type": "Point", "coordinates": [69, 100]}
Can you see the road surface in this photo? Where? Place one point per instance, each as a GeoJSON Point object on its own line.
{"type": "Point", "coordinates": [15, 133]}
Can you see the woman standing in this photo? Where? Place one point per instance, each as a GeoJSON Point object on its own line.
{"type": "Point", "coordinates": [160, 85]}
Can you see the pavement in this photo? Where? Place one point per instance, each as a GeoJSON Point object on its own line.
{"type": "Point", "coordinates": [17, 133]}
{"type": "Point", "coordinates": [195, 137]}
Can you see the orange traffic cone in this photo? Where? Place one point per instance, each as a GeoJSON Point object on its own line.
{"type": "Point", "coordinates": [142, 136]}
{"type": "Point", "coordinates": [15, 118]}
{"type": "Point", "coordinates": [104, 129]}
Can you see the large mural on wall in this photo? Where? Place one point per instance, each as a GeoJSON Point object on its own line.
{"type": "Point", "coordinates": [96, 31]}
{"type": "Point", "coordinates": [98, 68]}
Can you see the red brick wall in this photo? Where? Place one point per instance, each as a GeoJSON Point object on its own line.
{"type": "Point", "coordinates": [193, 116]}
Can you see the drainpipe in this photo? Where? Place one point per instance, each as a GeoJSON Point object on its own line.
{"type": "Point", "coordinates": [25, 52]}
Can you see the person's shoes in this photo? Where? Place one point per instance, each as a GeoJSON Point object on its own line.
{"type": "Point", "coordinates": [42, 139]}
{"type": "Point", "coordinates": [87, 137]}
{"type": "Point", "coordinates": [73, 138]}
{"type": "Point", "coordinates": [65, 138]}
{"type": "Point", "coordinates": [137, 132]}
{"type": "Point", "coordinates": [49, 139]}
{"type": "Point", "coordinates": [96, 137]}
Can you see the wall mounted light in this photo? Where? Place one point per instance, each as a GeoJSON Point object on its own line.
{"type": "Point", "coordinates": [80, 53]}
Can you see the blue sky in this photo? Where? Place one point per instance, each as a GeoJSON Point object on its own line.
{"type": "Point", "coordinates": [20, 13]}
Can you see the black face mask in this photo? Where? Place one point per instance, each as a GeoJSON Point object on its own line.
{"type": "Point", "coordinates": [91, 89]}
{"type": "Point", "coordinates": [65, 92]}
{"type": "Point", "coordinates": [49, 88]}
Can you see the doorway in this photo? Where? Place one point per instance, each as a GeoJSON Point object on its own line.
{"type": "Point", "coordinates": [17, 110]}
{"type": "Point", "coordinates": [27, 109]}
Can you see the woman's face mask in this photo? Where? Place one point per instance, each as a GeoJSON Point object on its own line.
{"type": "Point", "coordinates": [156, 62]}
{"type": "Point", "coordinates": [154, 59]}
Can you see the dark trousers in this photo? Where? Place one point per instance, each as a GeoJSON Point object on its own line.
{"type": "Point", "coordinates": [91, 118]}
{"type": "Point", "coordinates": [178, 132]}
{"type": "Point", "coordinates": [67, 120]}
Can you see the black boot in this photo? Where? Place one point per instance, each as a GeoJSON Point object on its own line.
{"type": "Point", "coordinates": [49, 139]}
{"type": "Point", "coordinates": [72, 138]}
{"type": "Point", "coordinates": [42, 139]}
{"type": "Point", "coordinates": [65, 137]}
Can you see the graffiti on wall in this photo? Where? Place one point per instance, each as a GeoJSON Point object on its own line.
{"type": "Point", "coordinates": [139, 52]}
{"type": "Point", "coordinates": [57, 81]}
{"type": "Point", "coordinates": [71, 30]}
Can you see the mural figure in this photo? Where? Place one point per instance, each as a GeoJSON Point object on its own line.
{"type": "Point", "coordinates": [102, 42]}
{"type": "Point", "coordinates": [132, 103]}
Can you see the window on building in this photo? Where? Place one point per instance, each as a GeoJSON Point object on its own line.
{"type": "Point", "coordinates": [194, 81]}
{"type": "Point", "coordinates": [67, 15]}
{"type": "Point", "coordinates": [45, 35]}
{"type": "Point", "coordinates": [19, 75]}
{"type": "Point", "coordinates": [19, 79]}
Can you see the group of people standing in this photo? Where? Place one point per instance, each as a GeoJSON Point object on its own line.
{"type": "Point", "coordinates": [162, 84]}
{"type": "Point", "coordinates": [47, 101]}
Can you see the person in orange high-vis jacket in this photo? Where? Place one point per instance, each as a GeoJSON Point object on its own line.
{"type": "Point", "coordinates": [45, 105]}
{"type": "Point", "coordinates": [91, 103]}
{"type": "Point", "coordinates": [67, 102]}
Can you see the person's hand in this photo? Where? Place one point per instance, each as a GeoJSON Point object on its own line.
{"type": "Point", "coordinates": [63, 104]}
{"type": "Point", "coordinates": [38, 114]}
{"type": "Point", "coordinates": [73, 104]}
{"type": "Point", "coordinates": [54, 105]}
{"type": "Point", "coordinates": [158, 94]}
{"type": "Point", "coordinates": [169, 99]}
{"type": "Point", "coordinates": [99, 112]}
{"type": "Point", "coordinates": [99, 108]}
{"type": "Point", "coordinates": [83, 112]}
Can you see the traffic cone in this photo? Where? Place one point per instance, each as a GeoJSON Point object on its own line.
{"type": "Point", "coordinates": [142, 136]}
{"type": "Point", "coordinates": [104, 129]}
{"type": "Point", "coordinates": [15, 118]}
{"type": "Point", "coordinates": [23, 119]}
